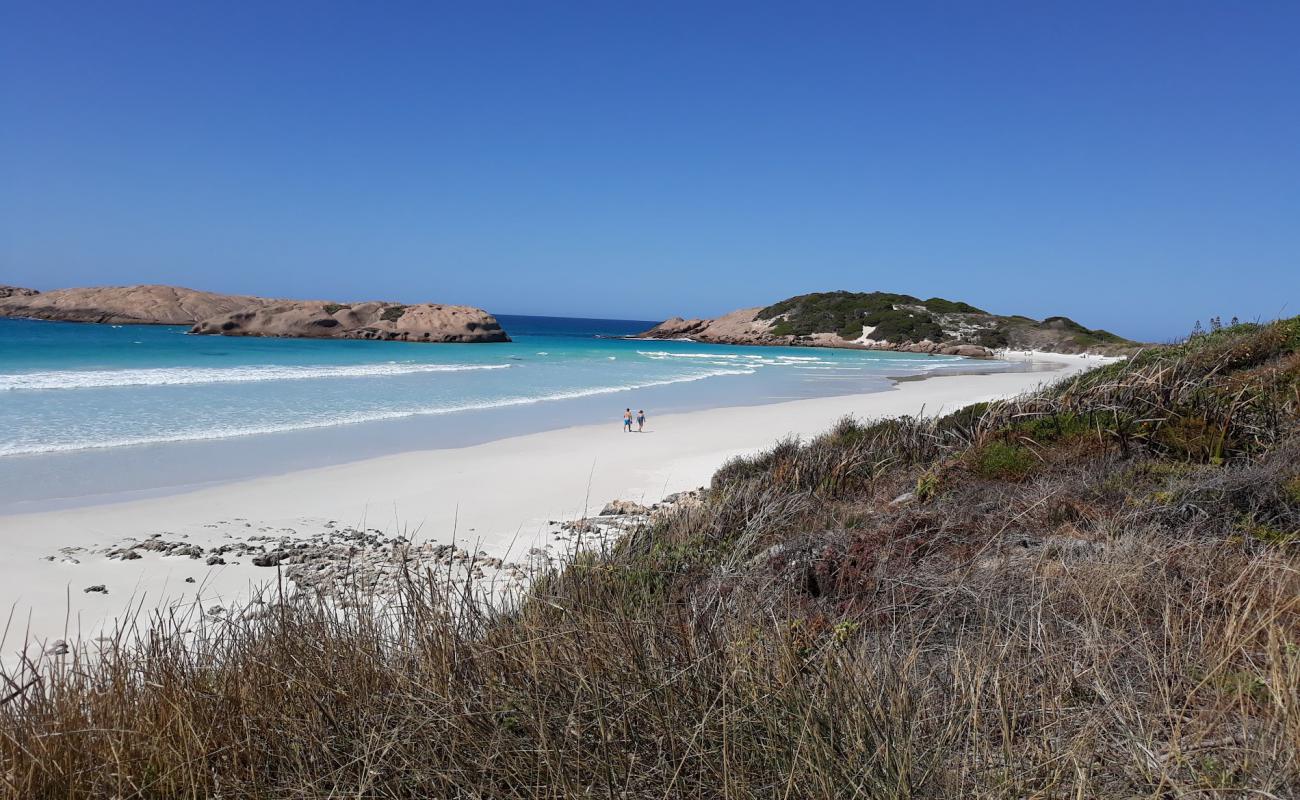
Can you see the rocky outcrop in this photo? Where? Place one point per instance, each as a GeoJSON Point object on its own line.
{"type": "Point", "coordinates": [243, 315]}
{"type": "Point", "coordinates": [743, 327]}
{"type": "Point", "coordinates": [619, 508]}
{"type": "Point", "coordinates": [886, 321]}
{"type": "Point", "coordinates": [427, 322]}
{"type": "Point", "coordinates": [124, 305]}
{"type": "Point", "coordinates": [738, 327]}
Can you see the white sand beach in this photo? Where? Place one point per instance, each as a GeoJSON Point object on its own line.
{"type": "Point", "coordinates": [497, 497]}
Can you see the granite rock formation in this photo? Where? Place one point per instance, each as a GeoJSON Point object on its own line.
{"type": "Point", "coordinates": [125, 305]}
{"type": "Point", "coordinates": [427, 322]}
{"type": "Point", "coordinates": [243, 315]}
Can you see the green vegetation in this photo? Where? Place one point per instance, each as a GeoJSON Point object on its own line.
{"type": "Point", "coordinates": [393, 313]}
{"type": "Point", "coordinates": [1059, 427]}
{"type": "Point", "coordinates": [1292, 490]}
{"type": "Point", "coordinates": [1092, 591]}
{"type": "Point", "coordinates": [1003, 461]}
{"type": "Point", "coordinates": [937, 305]}
{"type": "Point", "coordinates": [846, 312]}
{"type": "Point", "coordinates": [1081, 334]}
{"type": "Point", "coordinates": [993, 338]}
{"type": "Point", "coordinates": [901, 318]}
{"type": "Point", "coordinates": [334, 308]}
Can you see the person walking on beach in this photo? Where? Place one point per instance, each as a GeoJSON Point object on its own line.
{"type": "Point", "coordinates": [640, 420]}
{"type": "Point", "coordinates": [627, 420]}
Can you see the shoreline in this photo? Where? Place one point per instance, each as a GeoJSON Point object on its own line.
{"type": "Point", "coordinates": [64, 479]}
{"type": "Point", "coordinates": [500, 497]}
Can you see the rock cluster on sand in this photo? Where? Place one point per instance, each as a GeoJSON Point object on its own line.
{"type": "Point", "coordinates": [242, 315]}
{"type": "Point", "coordinates": [427, 322]}
{"type": "Point", "coordinates": [347, 564]}
{"type": "Point", "coordinates": [620, 508]}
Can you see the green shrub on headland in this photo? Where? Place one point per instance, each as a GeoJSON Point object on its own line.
{"type": "Point", "coordinates": [846, 312]}
{"type": "Point", "coordinates": [938, 305]}
{"type": "Point", "coordinates": [901, 318]}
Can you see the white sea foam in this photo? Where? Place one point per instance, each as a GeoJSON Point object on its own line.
{"type": "Point", "coordinates": [747, 359]}
{"type": "Point", "coordinates": [190, 376]}
{"type": "Point", "coordinates": [666, 354]}
{"type": "Point", "coordinates": [15, 449]}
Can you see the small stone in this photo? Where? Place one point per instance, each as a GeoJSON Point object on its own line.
{"type": "Point", "coordinates": [99, 588]}
{"type": "Point", "coordinates": [271, 559]}
{"type": "Point", "coordinates": [622, 507]}
{"type": "Point", "coordinates": [189, 580]}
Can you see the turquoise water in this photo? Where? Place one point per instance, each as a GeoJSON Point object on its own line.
{"type": "Point", "coordinates": [71, 387]}
{"type": "Point", "coordinates": [90, 413]}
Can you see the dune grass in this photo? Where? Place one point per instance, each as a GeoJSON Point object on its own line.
{"type": "Point", "coordinates": [1087, 592]}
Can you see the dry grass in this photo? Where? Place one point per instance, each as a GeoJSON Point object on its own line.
{"type": "Point", "coordinates": [877, 614]}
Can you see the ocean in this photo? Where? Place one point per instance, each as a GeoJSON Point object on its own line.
{"type": "Point", "coordinates": [90, 410]}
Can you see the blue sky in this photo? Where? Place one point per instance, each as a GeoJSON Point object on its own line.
{"type": "Point", "coordinates": [1133, 165]}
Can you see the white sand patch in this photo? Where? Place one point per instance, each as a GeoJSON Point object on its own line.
{"type": "Point", "coordinates": [1079, 360]}
{"type": "Point", "coordinates": [865, 338]}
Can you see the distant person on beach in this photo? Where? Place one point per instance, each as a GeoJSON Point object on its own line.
{"type": "Point", "coordinates": [640, 420]}
{"type": "Point", "coordinates": [627, 420]}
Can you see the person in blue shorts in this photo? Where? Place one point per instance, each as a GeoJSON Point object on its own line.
{"type": "Point", "coordinates": [627, 421]}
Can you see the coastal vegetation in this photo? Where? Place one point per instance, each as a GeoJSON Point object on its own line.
{"type": "Point", "coordinates": [901, 318]}
{"type": "Point", "coordinates": [846, 312]}
{"type": "Point", "coordinates": [1091, 591]}
{"type": "Point", "coordinates": [893, 321]}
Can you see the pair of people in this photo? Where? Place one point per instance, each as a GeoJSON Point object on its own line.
{"type": "Point", "coordinates": [627, 421]}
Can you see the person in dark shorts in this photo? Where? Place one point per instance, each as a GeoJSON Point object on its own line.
{"type": "Point", "coordinates": [640, 421]}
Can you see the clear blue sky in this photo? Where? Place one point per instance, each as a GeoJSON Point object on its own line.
{"type": "Point", "coordinates": [1133, 165]}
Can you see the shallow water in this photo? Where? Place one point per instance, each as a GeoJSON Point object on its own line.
{"type": "Point", "coordinates": [93, 410]}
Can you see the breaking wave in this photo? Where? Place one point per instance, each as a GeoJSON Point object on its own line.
{"type": "Point", "coordinates": [13, 449]}
{"type": "Point", "coordinates": [192, 376]}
